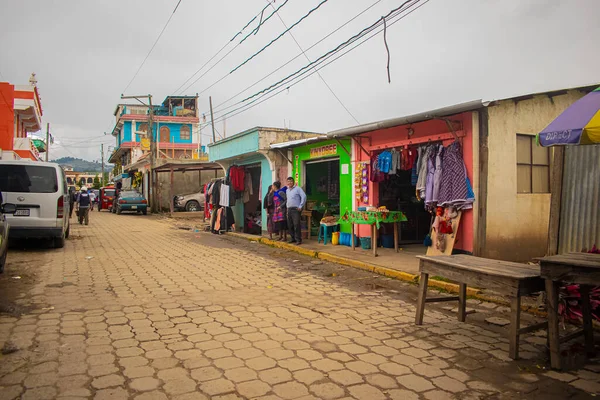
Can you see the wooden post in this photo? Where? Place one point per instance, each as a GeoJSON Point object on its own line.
{"type": "Point", "coordinates": [515, 326]}
{"type": "Point", "coordinates": [396, 237]}
{"type": "Point", "coordinates": [171, 205]}
{"type": "Point", "coordinates": [556, 177]}
{"type": "Point", "coordinates": [553, 333]}
{"type": "Point", "coordinates": [374, 240]}
{"type": "Point", "coordinates": [462, 302]}
{"type": "Point", "coordinates": [422, 297]}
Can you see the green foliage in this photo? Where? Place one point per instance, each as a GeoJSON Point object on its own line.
{"type": "Point", "coordinates": [97, 182]}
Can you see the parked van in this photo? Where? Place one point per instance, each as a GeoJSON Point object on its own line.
{"type": "Point", "coordinates": [40, 192]}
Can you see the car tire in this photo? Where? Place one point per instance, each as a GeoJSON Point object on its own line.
{"type": "Point", "coordinates": [145, 212]}
{"type": "Point", "coordinates": [68, 231]}
{"type": "Point", "coordinates": [59, 242]}
{"type": "Point", "coordinates": [118, 210]}
{"type": "Point", "coordinates": [192, 205]}
{"type": "Point", "coordinates": [3, 261]}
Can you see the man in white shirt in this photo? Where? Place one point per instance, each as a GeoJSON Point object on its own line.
{"type": "Point", "coordinates": [296, 198]}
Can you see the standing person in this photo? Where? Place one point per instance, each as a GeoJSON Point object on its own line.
{"type": "Point", "coordinates": [83, 206]}
{"type": "Point", "coordinates": [268, 206]}
{"type": "Point", "coordinates": [92, 199]}
{"type": "Point", "coordinates": [72, 199]}
{"type": "Point", "coordinates": [296, 198]}
{"type": "Point", "coordinates": [279, 210]}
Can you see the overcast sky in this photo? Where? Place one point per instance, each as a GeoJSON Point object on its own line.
{"type": "Point", "coordinates": [86, 52]}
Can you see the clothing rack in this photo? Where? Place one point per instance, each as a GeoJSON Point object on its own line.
{"type": "Point", "coordinates": [420, 140]}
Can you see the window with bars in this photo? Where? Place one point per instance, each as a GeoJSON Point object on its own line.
{"type": "Point", "coordinates": [184, 133]}
{"type": "Point", "coordinates": [533, 166]}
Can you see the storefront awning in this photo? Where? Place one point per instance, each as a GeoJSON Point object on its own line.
{"type": "Point", "coordinates": [299, 142]}
{"type": "Point", "coordinates": [409, 119]}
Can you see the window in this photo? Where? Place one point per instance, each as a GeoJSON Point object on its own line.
{"type": "Point", "coordinates": [185, 133]}
{"type": "Point", "coordinates": [533, 166]}
{"type": "Point", "coordinates": [28, 179]}
{"type": "Point", "coordinates": [165, 134]}
{"type": "Point", "coordinates": [90, 180]}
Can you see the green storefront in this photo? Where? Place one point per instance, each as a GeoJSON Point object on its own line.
{"type": "Point", "coordinates": [324, 170]}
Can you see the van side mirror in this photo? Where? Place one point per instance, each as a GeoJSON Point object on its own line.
{"type": "Point", "coordinates": [8, 208]}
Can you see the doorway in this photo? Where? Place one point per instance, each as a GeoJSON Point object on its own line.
{"type": "Point", "coordinates": [322, 187]}
{"type": "Point", "coordinates": [253, 202]}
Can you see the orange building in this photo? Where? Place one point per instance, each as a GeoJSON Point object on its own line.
{"type": "Point", "coordinates": [20, 114]}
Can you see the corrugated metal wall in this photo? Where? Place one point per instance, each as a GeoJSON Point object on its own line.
{"type": "Point", "coordinates": [580, 207]}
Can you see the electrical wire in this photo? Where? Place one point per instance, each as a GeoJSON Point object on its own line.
{"type": "Point", "coordinates": [258, 101]}
{"type": "Point", "coordinates": [279, 37]}
{"type": "Point", "coordinates": [217, 53]}
{"type": "Point", "coordinates": [262, 22]}
{"type": "Point", "coordinates": [292, 59]}
{"type": "Point", "coordinates": [341, 46]}
{"type": "Point", "coordinates": [318, 73]}
{"type": "Point", "coordinates": [152, 48]}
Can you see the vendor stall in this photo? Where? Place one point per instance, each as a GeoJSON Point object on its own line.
{"type": "Point", "coordinates": [374, 219]}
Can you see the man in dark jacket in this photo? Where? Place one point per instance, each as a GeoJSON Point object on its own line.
{"type": "Point", "coordinates": [83, 206]}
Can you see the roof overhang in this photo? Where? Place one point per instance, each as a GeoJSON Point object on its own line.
{"type": "Point", "coordinates": [296, 143]}
{"type": "Point", "coordinates": [408, 119]}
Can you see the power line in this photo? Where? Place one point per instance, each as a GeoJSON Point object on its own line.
{"type": "Point", "coordinates": [278, 37]}
{"type": "Point", "coordinates": [318, 73]}
{"type": "Point", "coordinates": [294, 58]}
{"type": "Point", "coordinates": [152, 48]}
{"type": "Point", "coordinates": [262, 22]}
{"type": "Point", "coordinates": [221, 49]}
{"type": "Point", "coordinates": [341, 46]}
{"type": "Point", "coordinates": [256, 102]}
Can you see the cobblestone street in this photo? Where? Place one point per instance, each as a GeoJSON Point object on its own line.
{"type": "Point", "coordinates": [133, 307]}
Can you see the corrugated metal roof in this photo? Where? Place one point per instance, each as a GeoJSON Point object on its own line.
{"type": "Point", "coordinates": [299, 142]}
{"type": "Point", "coordinates": [408, 119]}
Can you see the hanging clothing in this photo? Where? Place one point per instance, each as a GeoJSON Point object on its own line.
{"type": "Point", "coordinates": [248, 191]}
{"type": "Point", "coordinates": [430, 176]}
{"type": "Point", "coordinates": [395, 162]}
{"type": "Point", "coordinates": [375, 175]}
{"type": "Point", "coordinates": [408, 159]}
{"type": "Point", "coordinates": [414, 176]}
{"type": "Point", "coordinates": [437, 176]}
{"type": "Point", "coordinates": [385, 161]}
{"type": "Point", "coordinates": [224, 195]}
{"type": "Point", "coordinates": [454, 191]}
{"type": "Point", "coordinates": [422, 179]}
{"type": "Point", "coordinates": [236, 176]}
{"type": "Point", "coordinates": [215, 191]}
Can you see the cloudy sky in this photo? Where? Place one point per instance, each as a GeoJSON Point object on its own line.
{"type": "Point", "coordinates": [85, 53]}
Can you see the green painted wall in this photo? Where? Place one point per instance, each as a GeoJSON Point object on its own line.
{"type": "Point", "coordinates": [302, 154]}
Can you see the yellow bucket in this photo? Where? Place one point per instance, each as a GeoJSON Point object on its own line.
{"type": "Point", "coordinates": [335, 238]}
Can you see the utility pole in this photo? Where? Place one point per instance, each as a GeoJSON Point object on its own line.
{"type": "Point", "coordinates": [47, 140]}
{"type": "Point", "coordinates": [102, 158]}
{"type": "Point", "coordinates": [152, 180]}
{"type": "Point", "coordinates": [212, 119]}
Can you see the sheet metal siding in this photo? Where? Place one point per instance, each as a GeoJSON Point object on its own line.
{"type": "Point", "coordinates": [580, 209]}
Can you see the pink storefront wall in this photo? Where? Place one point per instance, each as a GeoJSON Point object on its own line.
{"type": "Point", "coordinates": [397, 136]}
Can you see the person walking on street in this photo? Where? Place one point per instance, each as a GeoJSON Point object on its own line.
{"type": "Point", "coordinates": [92, 199]}
{"type": "Point", "coordinates": [268, 206]}
{"type": "Point", "coordinates": [83, 206]}
{"type": "Point", "coordinates": [72, 200]}
{"type": "Point", "coordinates": [296, 198]}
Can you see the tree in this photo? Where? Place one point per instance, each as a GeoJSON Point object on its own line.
{"type": "Point", "coordinates": [97, 182]}
{"type": "Point", "coordinates": [105, 180]}
{"type": "Point", "coordinates": [82, 182]}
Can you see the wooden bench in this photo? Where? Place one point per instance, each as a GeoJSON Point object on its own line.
{"type": "Point", "coordinates": [507, 278]}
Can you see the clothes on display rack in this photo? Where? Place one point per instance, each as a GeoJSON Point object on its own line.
{"type": "Point", "coordinates": [454, 188]}
{"type": "Point", "coordinates": [236, 176]}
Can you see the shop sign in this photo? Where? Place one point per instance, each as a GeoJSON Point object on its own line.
{"type": "Point", "coordinates": [323, 151]}
{"type": "Point", "coordinates": [297, 174]}
{"type": "Point", "coordinates": [145, 144]}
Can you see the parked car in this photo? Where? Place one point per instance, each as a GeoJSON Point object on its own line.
{"type": "Point", "coordinates": [39, 191]}
{"type": "Point", "coordinates": [130, 200]}
{"type": "Point", "coordinates": [6, 208]}
{"type": "Point", "coordinates": [107, 195]}
{"type": "Point", "coordinates": [189, 202]}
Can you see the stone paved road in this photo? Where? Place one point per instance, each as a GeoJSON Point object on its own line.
{"type": "Point", "coordinates": [134, 308]}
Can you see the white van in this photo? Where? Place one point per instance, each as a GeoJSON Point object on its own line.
{"type": "Point", "coordinates": [39, 190]}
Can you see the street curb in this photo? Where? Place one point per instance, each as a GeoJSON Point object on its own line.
{"type": "Point", "coordinates": [391, 273]}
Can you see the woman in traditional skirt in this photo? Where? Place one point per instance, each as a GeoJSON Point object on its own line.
{"type": "Point", "coordinates": [269, 207]}
{"type": "Point", "coordinates": [280, 210]}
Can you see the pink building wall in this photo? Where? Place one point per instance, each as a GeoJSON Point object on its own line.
{"type": "Point", "coordinates": [435, 130]}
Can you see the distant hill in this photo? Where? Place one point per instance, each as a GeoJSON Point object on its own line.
{"type": "Point", "coordinates": [80, 165]}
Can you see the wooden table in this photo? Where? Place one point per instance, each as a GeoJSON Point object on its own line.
{"type": "Point", "coordinates": [308, 215]}
{"type": "Point", "coordinates": [580, 268]}
{"type": "Point", "coordinates": [374, 218]}
{"type": "Point", "coordinates": [508, 278]}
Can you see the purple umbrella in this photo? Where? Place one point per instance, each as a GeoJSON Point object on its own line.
{"type": "Point", "coordinates": [578, 124]}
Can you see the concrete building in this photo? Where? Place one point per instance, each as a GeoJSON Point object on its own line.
{"type": "Point", "coordinates": [20, 114]}
{"type": "Point", "coordinates": [176, 130]}
{"type": "Point", "coordinates": [251, 149]}
{"type": "Point", "coordinates": [509, 172]}
{"type": "Point", "coordinates": [74, 178]}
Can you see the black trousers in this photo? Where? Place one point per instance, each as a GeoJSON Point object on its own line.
{"type": "Point", "coordinates": [293, 220]}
